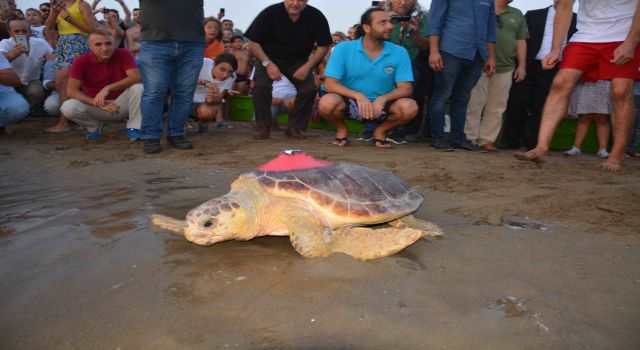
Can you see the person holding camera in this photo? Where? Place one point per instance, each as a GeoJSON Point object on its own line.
{"type": "Point", "coordinates": [369, 79]}
{"type": "Point", "coordinates": [27, 56]}
{"type": "Point", "coordinates": [462, 38]}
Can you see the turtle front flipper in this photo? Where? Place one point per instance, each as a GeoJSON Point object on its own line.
{"type": "Point", "coordinates": [168, 223]}
{"type": "Point", "coordinates": [309, 236]}
{"type": "Point", "coordinates": [430, 230]}
{"type": "Point", "coordinates": [365, 243]}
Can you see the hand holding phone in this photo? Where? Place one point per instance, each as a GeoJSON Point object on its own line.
{"type": "Point", "coordinates": [21, 40]}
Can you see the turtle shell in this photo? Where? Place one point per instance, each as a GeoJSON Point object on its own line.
{"type": "Point", "coordinates": [344, 193]}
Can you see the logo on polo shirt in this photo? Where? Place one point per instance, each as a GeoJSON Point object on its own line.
{"type": "Point", "coordinates": [389, 69]}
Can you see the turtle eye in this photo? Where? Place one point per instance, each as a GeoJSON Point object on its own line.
{"type": "Point", "coordinates": [208, 223]}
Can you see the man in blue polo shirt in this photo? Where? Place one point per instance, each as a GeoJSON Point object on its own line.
{"type": "Point", "coordinates": [462, 37]}
{"type": "Point", "coordinates": [369, 79]}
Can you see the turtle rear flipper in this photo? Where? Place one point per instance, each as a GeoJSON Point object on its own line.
{"type": "Point", "coordinates": [430, 230]}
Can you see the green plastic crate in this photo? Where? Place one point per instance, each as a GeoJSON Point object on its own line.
{"type": "Point", "coordinates": [242, 110]}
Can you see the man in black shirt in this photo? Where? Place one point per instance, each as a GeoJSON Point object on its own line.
{"type": "Point", "coordinates": [282, 38]}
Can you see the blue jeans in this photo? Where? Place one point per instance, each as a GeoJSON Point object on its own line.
{"type": "Point", "coordinates": [455, 82]}
{"type": "Point", "coordinates": [165, 64]}
{"type": "Point", "coordinates": [13, 107]}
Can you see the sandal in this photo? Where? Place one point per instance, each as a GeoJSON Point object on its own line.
{"type": "Point", "coordinates": [341, 142]}
{"type": "Point", "coordinates": [380, 143]}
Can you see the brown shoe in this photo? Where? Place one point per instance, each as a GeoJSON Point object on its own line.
{"type": "Point", "coordinates": [294, 133]}
{"type": "Point", "coordinates": [263, 132]}
{"type": "Point", "coordinates": [489, 147]}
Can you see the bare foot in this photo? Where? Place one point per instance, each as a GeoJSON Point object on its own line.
{"type": "Point", "coordinates": [61, 126]}
{"type": "Point", "coordinates": [538, 157]}
{"type": "Point", "coordinates": [611, 164]}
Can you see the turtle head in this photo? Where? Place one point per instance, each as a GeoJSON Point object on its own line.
{"type": "Point", "coordinates": [215, 221]}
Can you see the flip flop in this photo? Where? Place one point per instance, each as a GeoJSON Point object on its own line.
{"type": "Point", "coordinates": [380, 143]}
{"type": "Point", "coordinates": [341, 142]}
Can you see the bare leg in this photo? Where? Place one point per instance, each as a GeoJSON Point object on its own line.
{"type": "Point", "coordinates": [603, 129]}
{"type": "Point", "coordinates": [582, 128]}
{"type": "Point", "coordinates": [62, 76]}
{"type": "Point", "coordinates": [624, 111]}
{"type": "Point", "coordinates": [555, 108]}
{"type": "Point", "coordinates": [331, 107]}
{"type": "Point", "coordinates": [401, 112]}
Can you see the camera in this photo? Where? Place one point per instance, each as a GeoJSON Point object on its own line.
{"type": "Point", "coordinates": [415, 14]}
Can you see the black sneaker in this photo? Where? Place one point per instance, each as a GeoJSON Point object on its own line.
{"type": "Point", "coordinates": [465, 145]}
{"type": "Point", "coordinates": [365, 136]}
{"type": "Point", "coordinates": [397, 139]}
{"type": "Point", "coordinates": [441, 144]}
{"type": "Point", "coordinates": [179, 142]}
{"type": "Point", "coordinates": [152, 146]}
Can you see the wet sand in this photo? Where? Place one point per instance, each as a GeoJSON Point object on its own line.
{"type": "Point", "coordinates": [533, 258]}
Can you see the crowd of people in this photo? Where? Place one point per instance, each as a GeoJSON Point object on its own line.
{"type": "Point", "coordinates": [473, 75]}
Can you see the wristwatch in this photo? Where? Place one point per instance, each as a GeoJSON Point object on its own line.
{"type": "Point", "coordinates": [265, 63]}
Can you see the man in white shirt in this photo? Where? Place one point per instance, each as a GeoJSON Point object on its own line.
{"type": "Point", "coordinates": [13, 107]}
{"type": "Point", "coordinates": [604, 48]}
{"type": "Point", "coordinates": [27, 62]}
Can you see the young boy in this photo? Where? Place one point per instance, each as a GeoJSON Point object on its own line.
{"type": "Point", "coordinates": [35, 21]}
{"type": "Point", "coordinates": [215, 82]}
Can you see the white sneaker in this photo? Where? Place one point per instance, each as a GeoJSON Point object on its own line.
{"type": "Point", "coordinates": [603, 153]}
{"type": "Point", "coordinates": [574, 151]}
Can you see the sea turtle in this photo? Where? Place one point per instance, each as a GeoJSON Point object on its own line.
{"type": "Point", "coordinates": [324, 207]}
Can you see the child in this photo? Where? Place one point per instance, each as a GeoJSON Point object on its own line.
{"type": "Point", "coordinates": [215, 82]}
{"type": "Point", "coordinates": [591, 102]}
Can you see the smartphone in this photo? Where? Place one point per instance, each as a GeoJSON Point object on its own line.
{"type": "Point", "coordinates": [22, 40]}
{"type": "Point", "coordinates": [222, 10]}
{"type": "Point", "coordinates": [377, 3]}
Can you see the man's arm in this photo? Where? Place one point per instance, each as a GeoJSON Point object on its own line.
{"type": "Point", "coordinates": [625, 52]}
{"type": "Point", "coordinates": [74, 91]}
{"type": "Point", "coordinates": [302, 72]}
{"type": "Point", "coordinates": [94, 4]}
{"type": "Point", "coordinates": [133, 77]}
{"type": "Point", "coordinates": [272, 70]}
{"type": "Point", "coordinates": [9, 78]}
{"type": "Point", "coordinates": [561, 23]}
{"type": "Point", "coordinates": [127, 13]}
{"type": "Point", "coordinates": [436, 23]}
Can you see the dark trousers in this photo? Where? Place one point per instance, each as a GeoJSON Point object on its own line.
{"type": "Point", "coordinates": [524, 109]}
{"type": "Point", "coordinates": [306, 92]}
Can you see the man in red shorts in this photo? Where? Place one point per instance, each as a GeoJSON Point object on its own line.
{"type": "Point", "coordinates": [604, 48]}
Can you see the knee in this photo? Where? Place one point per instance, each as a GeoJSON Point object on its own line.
{"type": "Point", "coordinates": [205, 112]}
{"type": "Point", "coordinates": [621, 92]}
{"type": "Point", "coordinates": [407, 108]}
{"type": "Point", "coordinates": [136, 89]}
{"type": "Point", "coordinates": [328, 105]}
{"type": "Point", "coordinates": [71, 108]}
{"type": "Point", "coordinates": [562, 84]}
{"type": "Point", "coordinates": [17, 108]}
{"type": "Point", "coordinates": [52, 105]}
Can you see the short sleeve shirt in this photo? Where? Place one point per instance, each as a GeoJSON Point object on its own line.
{"type": "Point", "coordinates": [511, 26]}
{"type": "Point", "coordinates": [175, 20]}
{"type": "Point", "coordinates": [351, 65]}
{"type": "Point", "coordinates": [28, 67]}
{"type": "Point", "coordinates": [95, 75]}
{"type": "Point", "coordinates": [285, 40]}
